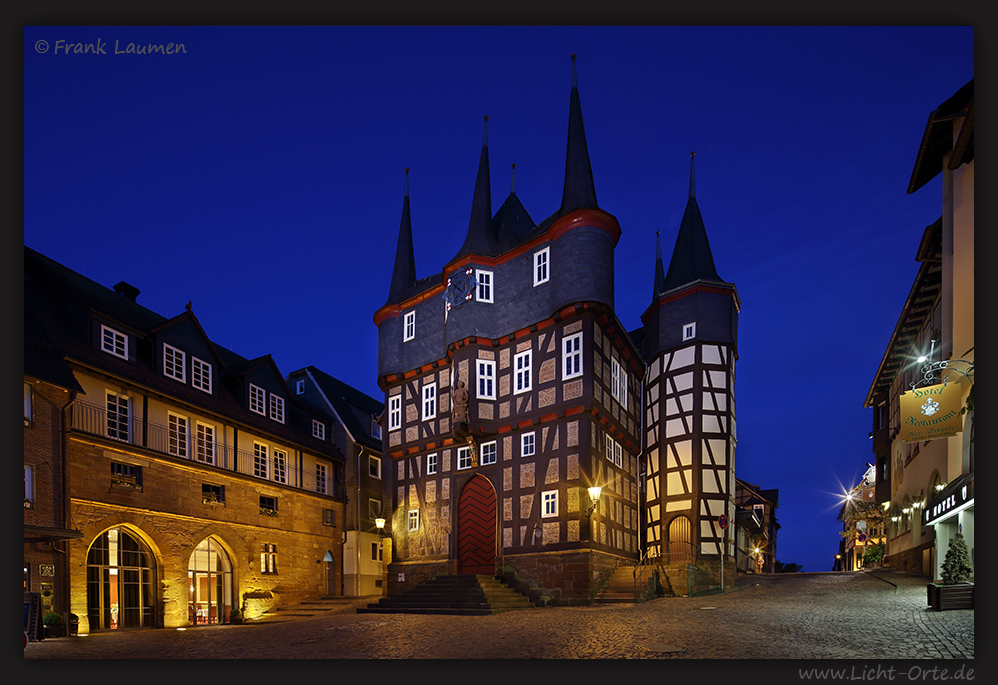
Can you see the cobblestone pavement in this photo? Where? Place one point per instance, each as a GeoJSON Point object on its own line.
{"type": "Point", "coordinates": [879, 615]}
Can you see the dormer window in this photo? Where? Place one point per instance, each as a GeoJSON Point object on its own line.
{"type": "Point", "coordinates": [201, 374]}
{"type": "Point", "coordinates": [318, 429]}
{"type": "Point", "coordinates": [409, 326]}
{"type": "Point", "coordinates": [300, 386]}
{"type": "Point", "coordinates": [277, 408]}
{"type": "Point", "coordinates": [257, 399]}
{"type": "Point", "coordinates": [173, 363]}
{"type": "Point", "coordinates": [689, 331]}
{"type": "Point", "coordinates": [114, 342]}
{"type": "Point", "coordinates": [541, 259]}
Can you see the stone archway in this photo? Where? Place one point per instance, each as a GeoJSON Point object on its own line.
{"type": "Point", "coordinates": [121, 581]}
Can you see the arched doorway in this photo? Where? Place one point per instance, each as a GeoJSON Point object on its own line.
{"type": "Point", "coordinates": [121, 574]}
{"type": "Point", "coordinates": [209, 576]}
{"type": "Point", "coordinates": [329, 566]}
{"type": "Point", "coordinates": [476, 527]}
{"type": "Point", "coordinates": [680, 545]}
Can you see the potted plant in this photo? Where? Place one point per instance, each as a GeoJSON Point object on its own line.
{"type": "Point", "coordinates": [954, 591]}
{"type": "Point", "coordinates": [235, 616]}
{"type": "Point", "coordinates": [53, 624]}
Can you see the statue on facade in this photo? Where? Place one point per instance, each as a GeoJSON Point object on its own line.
{"type": "Point", "coordinates": [459, 413]}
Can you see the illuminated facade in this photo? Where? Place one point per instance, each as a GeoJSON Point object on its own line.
{"type": "Point", "coordinates": [194, 483]}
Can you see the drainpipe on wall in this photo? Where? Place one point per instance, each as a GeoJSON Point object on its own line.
{"type": "Point", "coordinates": [66, 514]}
{"type": "Point", "coordinates": [360, 451]}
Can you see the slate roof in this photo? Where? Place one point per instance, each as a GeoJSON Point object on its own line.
{"type": "Point", "coordinates": [65, 304]}
{"type": "Point", "coordinates": [354, 407]}
{"type": "Point", "coordinates": [480, 239]}
{"type": "Point", "coordinates": [938, 138]}
{"type": "Point", "coordinates": [404, 271]}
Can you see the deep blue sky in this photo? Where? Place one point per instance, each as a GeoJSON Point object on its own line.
{"type": "Point", "coordinates": [260, 176]}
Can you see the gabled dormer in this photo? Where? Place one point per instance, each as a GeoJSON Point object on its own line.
{"type": "Point", "coordinates": [115, 338]}
{"type": "Point", "coordinates": [183, 353]}
{"type": "Point", "coordinates": [260, 388]}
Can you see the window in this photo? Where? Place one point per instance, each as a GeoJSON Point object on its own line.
{"type": "Point", "coordinates": [394, 412]}
{"type": "Point", "coordinates": [268, 505]}
{"type": "Point", "coordinates": [541, 265]}
{"type": "Point", "coordinates": [375, 428]}
{"type": "Point", "coordinates": [29, 485]}
{"type": "Point", "coordinates": [521, 372]}
{"type": "Point", "coordinates": [527, 446]}
{"type": "Point", "coordinates": [280, 466]}
{"type": "Point", "coordinates": [268, 558]}
{"type": "Point", "coordinates": [571, 355]}
{"type": "Point", "coordinates": [374, 466]}
{"type": "Point", "coordinates": [609, 447]}
{"type": "Point", "coordinates": [373, 508]}
{"type": "Point", "coordinates": [549, 503]}
{"type": "Point", "coordinates": [259, 460]}
{"type": "Point", "coordinates": [257, 396]}
{"type": "Point", "coordinates": [114, 342]}
{"type": "Point", "coordinates": [201, 374]}
{"type": "Point", "coordinates": [320, 478]}
{"type": "Point", "coordinates": [204, 443]}
{"type": "Point", "coordinates": [413, 520]}
{"type": "Point", "coordinates": [117, 417]}
{"type": "Point", "coordinates": [376, 551]}
{"type": "Point", "coordinates": [328, 517]}
{"type": "Point", "coordinates": [464, 457]}
{"type": "Point", "coordinates": [177, 435]}
{"type": "Point", "coordinates": [128, 475]}
{"type": "Point", "coordinates": [409, 326]}
{"type": "Point", "coordinates": [689, 330]}
{"type": "Point", "coordinates": [27, 404]}
{"type": "Point", "coordinates": [431, 463]}
{"type": "Point", "coordinates": [619, 383]}
{"type": "Point", "coordinates": [277, 408]}
{"type": "Point", "coordinates": [486, 379]}
{"type": "Point", "coordinates": [173, 363]}
{"type": "Point", "coordinates": [318, 429]}
{"type": "Point", "coordinates": [300, 386]}
{"type": "Point", "coordinates": [429, 401]}
{"type": "Point", "coordinates": [488, 453]}
{"type": "Point", "coordinates": [484, 279]}
{"type": "Point", "coordinates": [212, 494]}
{"type": "Point", "coordinates": [618, 458]}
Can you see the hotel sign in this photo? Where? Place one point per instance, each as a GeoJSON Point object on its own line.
{"type": "Point", "coordinates": [954, 498]}
{"type": "Point", "coordinates": [931, 412]}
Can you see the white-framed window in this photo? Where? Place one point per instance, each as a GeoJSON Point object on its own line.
{"type": "Point", "coordinates": [521, 372]}
{"type": "Point", "coordinates": [280, 466]}
{"type": "Point", "coordinates": [118, 423]}
{"type": "Point", "coordinates": [28, 414]}
{"type": "Point", "coordinates": [300, 386]}
{"type": "Point", "coordinates": [549, 503]}
{"type": "Point", "coordinates": [429, 401]}
{"type": "Point", "coordinates": [484, 279]}
{"type": "Point", "coordinates": [376, 553]}
{"type": "Point", "coordinates": [609, 447]}
{"type": "Point", "coordinates": [260, 460]}
{"type": "Point", "coordinates": [409, 326]}
{"type": "Point", "coordinates": [318, 429]}
{"type": "Point", "coordinates": [375, 428]}
{"type": "Point", "coordinates": [571, 356]}
{"type": "Point", "coordinates": [277, 408]}
{"type": "Point", "coordinates": [541, 265]}
{"type": "Point", "coordinates": [394, 412]}
{"type": "Point", "coordinates": [618, 454]}
{"type": "Point", "coordinates": [486, 379]}
{"type": "Point", "coordinates": [177, 434]}
{"type": "Point", "coordinates": [373, 508]}
{"type": "Point", "coordinates": [527, 445]}
{"type": "Point", "coordinates": [374, 466]}
{"type": "Point", "coordinates": [29, 484]}
{"type": "Point", "coordinates": [204, 443]}
{"type": "Point", "coordinates": [618, 382]}
{"type": "Point", "coordinates": [463, 458]}
{"type": "Point", "coordinates": [257, 400]}
{"type": "Point", "coordinates": [201, 374]}
{"type": "Point", "coordinates": [689, 330]}
{"type": "Point", "coordinates": [431, 463]}
{"type": "Point", "coordinates": [488, 453]}
{"type": "Point", "coordinates": [113, 342]}
{"type": "Point", "coordinates": [173, 363]}
{"type": "Point", "coordinates": [413, 520]}
{"type": "Point", "coordinates": [320, 478]}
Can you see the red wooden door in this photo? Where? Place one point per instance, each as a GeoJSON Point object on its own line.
{"type": "Point", "coordinates": [476, 527]}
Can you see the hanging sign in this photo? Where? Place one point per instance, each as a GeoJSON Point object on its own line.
{"type": "Point", "coordinates": [931, 412]}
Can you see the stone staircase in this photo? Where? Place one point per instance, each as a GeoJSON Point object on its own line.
{"type": "Point", "coordinates": [462, 595]}
{"type": "Point", "coordinates": [620, 587]}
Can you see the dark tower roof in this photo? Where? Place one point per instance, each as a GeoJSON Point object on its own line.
{"type": "Point", "coordinates": [512, 221]}
{"type": "Point", "coordinates": [659, 268]}
{"type": "Point", "coordinates": [579, 192]}
{"type": "Point", "coordinates": [480, 239]}
{"type": "Point", "coordinates": [404, 273]}
{"type": "Point", "coordinates": [691, 259]}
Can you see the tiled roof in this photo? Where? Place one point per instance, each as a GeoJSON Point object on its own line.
{"type": "Point", "coordinates": [354, 407]}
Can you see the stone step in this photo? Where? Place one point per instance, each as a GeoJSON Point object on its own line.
{"type": "Point", "coordinates": [456, 595]}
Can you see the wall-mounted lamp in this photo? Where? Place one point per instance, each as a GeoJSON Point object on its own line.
{"type": "Point", "coordinates": [594, 493]}
{"type": "Point", "coordinates": [380, 523]}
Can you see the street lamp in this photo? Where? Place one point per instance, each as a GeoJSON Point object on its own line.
{"type": "Point", "coordinates": [594, 493]}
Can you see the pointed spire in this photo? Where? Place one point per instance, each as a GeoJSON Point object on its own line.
{"type": "Point", "coordinates": [693, 188]}
{"type": "Point", "coordinates": [579, 191]}
{"type": "Point", "coordinates": [404, 272]}
{"type": "Point", "coordinates": [512, 183]}
{"type": "Point", "coordinates": [691, 258]}
{"type": "Point", "coordinates": [480, 239]}
{"type": "Point", "coordinates": [659, 268]}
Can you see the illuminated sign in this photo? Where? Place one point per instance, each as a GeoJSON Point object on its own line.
{"type": "Point", "coordinates": [931, 412]}
{"type": "Point", "coordinates": [957, 496]}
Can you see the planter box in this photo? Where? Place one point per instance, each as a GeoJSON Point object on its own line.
{"type": "Point", "coordinates": [944, 597]}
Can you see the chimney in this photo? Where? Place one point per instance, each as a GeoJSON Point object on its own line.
{"type": "Point", "coordinates": [126, 290]}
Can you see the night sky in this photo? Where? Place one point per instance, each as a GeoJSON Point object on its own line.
{"type": "Point", "coordinates": [260, 176]}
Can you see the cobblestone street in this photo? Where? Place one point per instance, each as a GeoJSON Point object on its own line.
{"type": "Point", "coordinates": [876, 616]}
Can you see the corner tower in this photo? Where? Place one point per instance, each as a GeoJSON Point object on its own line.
{"type": "Point", "coordinates": [690, 346]}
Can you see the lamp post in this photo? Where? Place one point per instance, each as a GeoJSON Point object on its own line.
{"type": "Point", "coordinates": [386, 554]}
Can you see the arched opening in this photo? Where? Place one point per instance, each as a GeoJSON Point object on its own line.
{"type": "Point", "coordinates": [121, 574]}
{"type": "Point", "coordinates": [680, 545]}
{"type": "Point", "coordinates": [209, 576]}
{"type": "Point", "coordinates": [476, 527]}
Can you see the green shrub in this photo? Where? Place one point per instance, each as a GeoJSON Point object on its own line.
{"type": "Point", "coordinates": [52, 619]}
